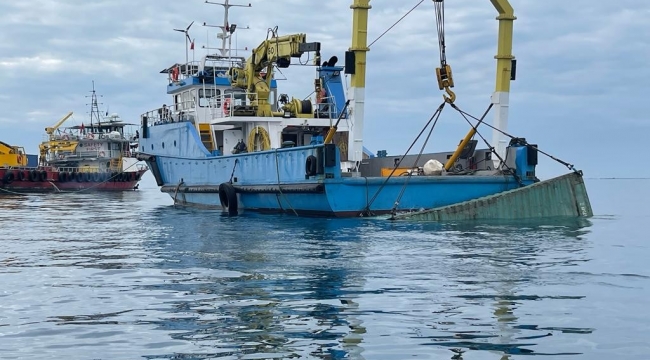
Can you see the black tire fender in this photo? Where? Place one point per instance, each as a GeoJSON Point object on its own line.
{"type": "Point", "coordinates": [8, 178]}
{"type": "Point", "coordinates": [228, 198]}
{"type": "Point", "coordinates": [310, 165]}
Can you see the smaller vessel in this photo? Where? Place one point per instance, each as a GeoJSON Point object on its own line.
{"type": "Point", "coordinates": [98, 157]}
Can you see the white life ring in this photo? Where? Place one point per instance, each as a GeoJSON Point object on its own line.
{"type": "Point", "coordinates": [90, 136]}
{"type": "Point", "coordinates": [102, 154]}
{"type": "Point", "coordinates": [61, 156]}
{"type": "Point", "coordinates": [66, 137]}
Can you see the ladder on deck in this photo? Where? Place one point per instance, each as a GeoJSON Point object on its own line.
{"type": "Point", "coordinates": [116, 164]}
{"type": "Point", "coordinates": [206, 136]}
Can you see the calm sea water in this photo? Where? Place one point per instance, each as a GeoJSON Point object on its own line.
{"type": "Point", "coordinates": [129, 276]}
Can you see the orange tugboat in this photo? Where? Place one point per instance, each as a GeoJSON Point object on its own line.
{"type": "Point", "coordinates": [99, 157]}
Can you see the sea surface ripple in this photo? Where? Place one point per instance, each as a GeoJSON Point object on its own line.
{"type": "Point", "coordinates": [130, 276]}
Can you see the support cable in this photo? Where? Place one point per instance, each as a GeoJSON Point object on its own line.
{"type": "Point", "coordinates": [435, 116]}
{"type": "Point", "coordinates": [397, 22]}
{"type": "Point", "coordinates": [410, 174]}
{"type": "Point", "coordinates": [523, 142]}
{"type": "Point", "coordinates": [490, 147]}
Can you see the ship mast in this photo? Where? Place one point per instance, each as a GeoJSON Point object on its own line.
{"type": "Point", "coordinates": [227, 29]}
{"type": "Point", "coordinates": [94, 108]}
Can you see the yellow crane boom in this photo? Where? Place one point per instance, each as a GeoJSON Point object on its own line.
{"type": "Point", "coordinates": [51, 130]}
{"type": "Point", "coordinates": [277, 50]}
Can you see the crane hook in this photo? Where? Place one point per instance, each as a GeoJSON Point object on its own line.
{"type": "Point", "coordinates": [452, 96]}
{"type": "Point", "coordinates": [446, 81]}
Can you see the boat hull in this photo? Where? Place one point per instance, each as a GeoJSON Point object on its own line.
{"type": "Point", "coordinates": [43, 180]}
{"type": "Point", "coordinates": [348, 197]}
{"type": "Point", "coordinates": [306, 180]}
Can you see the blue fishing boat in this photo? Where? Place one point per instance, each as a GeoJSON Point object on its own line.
{"type": "Point", "coordinates": [230, 140]}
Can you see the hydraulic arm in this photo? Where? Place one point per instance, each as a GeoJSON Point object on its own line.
{"type": "Point", "coordinates": [51, 130]}
{"type": "Point", "coordinates": [257, 74]}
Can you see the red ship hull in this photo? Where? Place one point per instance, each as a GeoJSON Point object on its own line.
{"type": "Point", "coordinates": [49, 180]}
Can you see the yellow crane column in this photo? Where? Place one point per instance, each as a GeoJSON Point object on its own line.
{"type": "Point", "coordinates": [358, 80]}
{"type": "Point", "coordinates": [501, 96]}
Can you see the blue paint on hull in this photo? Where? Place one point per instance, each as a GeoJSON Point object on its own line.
{"type": "Point", "coordinates": [344, 197]}
{"type": "Point", "coordinates": [275, 180]}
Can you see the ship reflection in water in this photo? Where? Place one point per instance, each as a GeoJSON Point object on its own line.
{"type": "Point", "coordinates": [173, 283]}
{"type": "Point", "coordinates": [336, 289]}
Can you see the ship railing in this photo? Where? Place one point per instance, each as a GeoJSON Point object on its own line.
{"type": "Point", "coordinates": [185, 71]}
{"type": "Point", "coordinates": [98, 154]}
{"type": "Point", "coordinates": [132, 137]}
{"type": "Point", "coordinates": [325, 108]}
{"type": "Point", "coordinates": [138, 167]}
{"type": "Point", "coordinates": [129, 154]}
{"type": "Point", "coordinates": [65, 136]}
{"type": "Point", "coordinates": [92, 154]}
{"type": "Point", "coordinates": [213, 64]}
{"type": "Point", "coordinates": [87, 135]}
{"type": "Point", "coordinates": [180, 112]}
{"type": "Point", "coordinates": [226, 105]}
{"type": "Point", "coordinates": [13, 167]}
{"type": "Point", "coordinates": [89, 169]}
{"type": "Point", "coordinates": [110, 136]}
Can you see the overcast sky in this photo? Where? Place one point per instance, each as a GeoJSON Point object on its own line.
{"type": "Point", "coordinates": [582, 77]}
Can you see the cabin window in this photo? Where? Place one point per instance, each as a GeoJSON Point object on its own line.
{"type": "Point", "coordinates": [239, 97]}
{"type": "Point", "coordinates": [187, 98]}
{"type": "Point", "coordinates": [192, 99]}
{"type": "Point", "coordinates": [209, 96]}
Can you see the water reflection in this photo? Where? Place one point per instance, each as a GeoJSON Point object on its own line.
{"type": "Point", "coordinates": [196, 285]}
{"type": "Point", "coordinates": [303, 293]}
{"type": "Point", "coordinates": [292, 296]}
{"type": "Point", "coordinates": [500, 263]}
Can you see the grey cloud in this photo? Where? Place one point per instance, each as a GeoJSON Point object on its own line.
{"type": "Point", "coordinates": [582, 66]}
